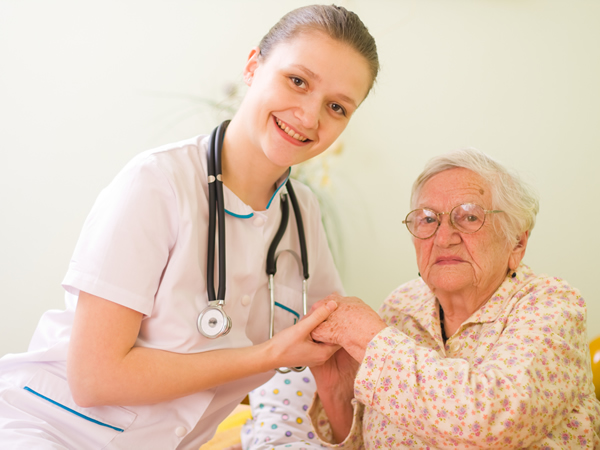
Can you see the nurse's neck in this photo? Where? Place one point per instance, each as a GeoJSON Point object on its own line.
{"type": "Point", "coordinates": [253, 179]}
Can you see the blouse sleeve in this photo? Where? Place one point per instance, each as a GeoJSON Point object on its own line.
{"type": "Point", "coordinates": [531, 377]}
{"type": "Point", "coordinates": [127, 237]}
{"type": "Point", "coordinates": [320, 423]}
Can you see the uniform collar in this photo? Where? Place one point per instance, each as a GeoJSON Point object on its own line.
{"type": "Point", "coordinates": [237, 208]}
{"type": "Point", "coordinates": [234, 206]}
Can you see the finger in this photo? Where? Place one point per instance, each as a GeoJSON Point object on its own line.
{"type": "Point", "coordinates": [319, 315]}
{"type": "Point", "coordinates": [313, 308]}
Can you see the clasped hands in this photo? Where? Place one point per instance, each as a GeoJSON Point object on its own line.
{"type": "Point", "coordinates": [352, 325]}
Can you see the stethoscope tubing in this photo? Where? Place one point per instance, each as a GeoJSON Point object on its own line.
{"type": "Point", "coordinates": [216, 214]}
{"type": "Point", "coordinates": [214, 317]}
{"type": "Point", "coordinates": [301, 234]}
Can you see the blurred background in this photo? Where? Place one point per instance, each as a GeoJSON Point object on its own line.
{"type": "Point", "coordinates": [84, 86]}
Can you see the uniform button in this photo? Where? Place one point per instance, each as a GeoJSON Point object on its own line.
{"type": "Point", "coordinates": [245, 300]}
{"type": "Point", "coordinates": [455, 346]}
{"type": "Point", "coordinates": [180, 431]}
{"type": "Point", "coordinates": [259, 221]}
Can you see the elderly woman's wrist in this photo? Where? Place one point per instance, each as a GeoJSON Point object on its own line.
{"type": "Point", "coordinates": [356, 343]}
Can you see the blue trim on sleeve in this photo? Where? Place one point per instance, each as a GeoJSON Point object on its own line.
{"type": "Point", "coordinates": [279, 187]}
{"type": "Point", "coordinates": [239, 216]}
{"type": "Point", "coordinates": [120, 430]}
{"type": "Point", "coordinates": [287, 309]}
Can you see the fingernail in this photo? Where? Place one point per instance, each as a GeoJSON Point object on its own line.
{"type": "Point", "coordinates": [332, 306]}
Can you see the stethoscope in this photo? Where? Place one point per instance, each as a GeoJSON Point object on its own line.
{"type": "Point", "coordinates": [213, 321]}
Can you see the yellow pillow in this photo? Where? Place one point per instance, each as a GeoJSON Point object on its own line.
{"type": "Point", "coordinates": [228, 432]}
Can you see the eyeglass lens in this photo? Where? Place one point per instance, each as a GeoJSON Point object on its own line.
{"type": "Point", "coordinates": [467, 218]}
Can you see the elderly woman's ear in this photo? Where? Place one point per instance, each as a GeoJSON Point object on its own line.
{"type": "Point", "coordinates": [518, 251]}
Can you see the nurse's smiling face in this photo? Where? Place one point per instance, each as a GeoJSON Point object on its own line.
{"type": "Point", "coordinates": [302, 95]}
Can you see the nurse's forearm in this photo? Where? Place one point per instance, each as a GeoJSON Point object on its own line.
{"type": "Point", "coordinates": [147, 376]}
{"type": "Point", "coordinates": [104, 367]}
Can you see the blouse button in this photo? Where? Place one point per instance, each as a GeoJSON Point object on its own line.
{"type": "Point", "coordinates": [259, 221]}
{"type": "Point", "coordinates": [180, 431]}
{"type": "Point", "coordinates": [455, 346]}
{"type": "Point", "coordinates": [245, 300]}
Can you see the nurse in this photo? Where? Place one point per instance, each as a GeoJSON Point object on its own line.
{"type": "Point", "coordinates": [124, 366]}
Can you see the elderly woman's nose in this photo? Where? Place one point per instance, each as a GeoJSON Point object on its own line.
{"type": "Point", "coordinates": [446, 233]}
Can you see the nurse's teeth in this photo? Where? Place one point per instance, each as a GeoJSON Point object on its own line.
{"type": "Point", "coordinates": [291, 133]}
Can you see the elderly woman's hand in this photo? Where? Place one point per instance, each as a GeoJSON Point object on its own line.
{"type": "Point", "coordinates": [352, 325]}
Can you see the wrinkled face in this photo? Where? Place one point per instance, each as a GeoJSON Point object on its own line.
{"type": "Point", "coordinates": [452, 262]}
{"type": "Point", "coordinates": [302, 95]}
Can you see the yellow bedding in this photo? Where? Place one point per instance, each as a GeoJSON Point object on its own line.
{"type": "Point", "coordinates": [228, 432]}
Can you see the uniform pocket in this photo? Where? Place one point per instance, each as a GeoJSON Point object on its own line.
{"type": "Point", "coordinates": [288, 307]}
{"type": "Point", "coordinates": [48, 397]}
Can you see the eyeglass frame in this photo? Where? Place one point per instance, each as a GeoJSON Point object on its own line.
{"type": "Point", "coordinates": [439, 221]}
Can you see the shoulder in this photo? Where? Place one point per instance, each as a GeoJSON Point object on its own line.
{"type": "Point", "coordinates": [174, 167]}
{"type": "Point", "coordinates": [178, 154]}
{"type": "Point", "coordinates": [302, 190]}
{"type": "Point", "coordinates": [550, 305]}
{"type": "Point", "coordinates": [548, 292]}
{"type": "Point", "coordinates": [306, 197]}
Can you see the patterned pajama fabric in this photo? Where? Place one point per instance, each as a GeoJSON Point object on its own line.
{"type": "Point", "coordinates": [516, 374]}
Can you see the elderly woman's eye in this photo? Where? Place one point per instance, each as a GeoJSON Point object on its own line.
{"type": "Point", "coordinates": [471, 218]}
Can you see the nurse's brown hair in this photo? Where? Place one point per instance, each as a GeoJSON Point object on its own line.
{"type": "Point", "coordinates": [335, 21]}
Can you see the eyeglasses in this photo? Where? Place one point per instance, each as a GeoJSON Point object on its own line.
{"type": "Point", "coordinates": [467, 218]}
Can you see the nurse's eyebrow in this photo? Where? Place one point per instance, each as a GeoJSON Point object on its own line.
{"type": "Point", "coordinates": [318, 78]}
{"type": "Point", "coordinates": [308, 71]}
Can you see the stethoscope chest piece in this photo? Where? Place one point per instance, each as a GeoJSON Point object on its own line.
{"type": "Point", "coordinates": [213, 322]}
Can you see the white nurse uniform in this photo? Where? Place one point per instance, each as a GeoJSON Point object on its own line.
{"type": "Point", "coordinates": [144, 246]}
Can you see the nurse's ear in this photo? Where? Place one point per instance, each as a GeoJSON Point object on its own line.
{"type": "Point", "coordinates": [251, 65]}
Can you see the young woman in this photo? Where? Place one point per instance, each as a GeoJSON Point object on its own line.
{"type": "Point", "coordinates": [131, 361]}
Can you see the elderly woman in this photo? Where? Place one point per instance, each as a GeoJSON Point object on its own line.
{"type": "Point", "coordinates": [479, 351]}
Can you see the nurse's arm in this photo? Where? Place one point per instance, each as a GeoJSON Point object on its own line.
{"type": "Point", "coordinates": [105, 368]}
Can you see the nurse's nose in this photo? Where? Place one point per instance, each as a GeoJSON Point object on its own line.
{"type": "Point", "coordinates": [308, 112]}
{"type": "Point", "coordinates": [446, 234]}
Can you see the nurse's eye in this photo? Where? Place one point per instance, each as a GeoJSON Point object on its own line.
{"type": "Point", "coordinates": [338, 109]}
{"type": "Point", "coordinates": [299, 82]}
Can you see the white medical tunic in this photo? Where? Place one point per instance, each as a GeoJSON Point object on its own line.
{"type": "Point", "coordinates": [144, 246]}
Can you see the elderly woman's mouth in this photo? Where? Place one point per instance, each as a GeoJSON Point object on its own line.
{"type": "Point", "coordinates": [451, 260]}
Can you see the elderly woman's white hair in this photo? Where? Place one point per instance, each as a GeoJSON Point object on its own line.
{"type": "Point", "coordinates": [509, 192]}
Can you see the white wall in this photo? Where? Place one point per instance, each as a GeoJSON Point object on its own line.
{"type": "Point", "coordinates": [84, 86]}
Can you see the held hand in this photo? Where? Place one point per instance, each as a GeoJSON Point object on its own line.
{"type": "Point", "coordinates": [294, 346]}
{"type": "Point", "coordinates": [352, 325]}
{"type": "Point", "coordinates": [335, 385]}
{"type": "Point", "coordinates": [336, 376]}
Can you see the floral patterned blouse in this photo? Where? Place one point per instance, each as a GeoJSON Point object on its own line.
{"type": "Point", "coordinates": [516, 374]}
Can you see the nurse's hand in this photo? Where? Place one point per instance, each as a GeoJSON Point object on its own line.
{"type": "Point", "coordinates": [293, 346]}
{"type": "Point", "coordinates": [352, 325]}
